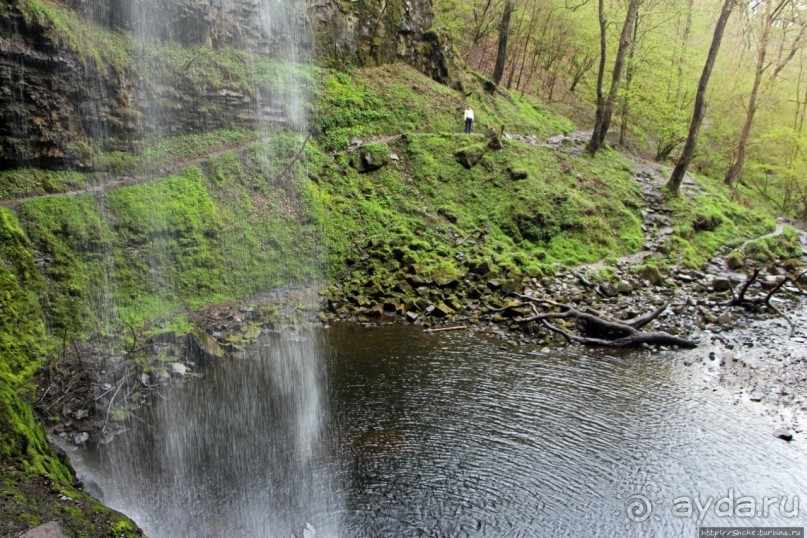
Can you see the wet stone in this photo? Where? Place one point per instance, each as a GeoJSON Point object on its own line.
{"type": "Point", "coordinates": [783, 434]}
{"type": "Point", "coordinates": [178, 369]}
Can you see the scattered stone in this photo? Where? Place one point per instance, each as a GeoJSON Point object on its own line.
{"type": "Point", "coordinates": [178, 369]}
{"type": "Point", "coordinates": [783, 434]}
{"type": "Point", "coordinates": [81, 438]}
{"type": "Point", "coordinates": [721, 284]}
{"type": "Point", "coordinates": [652, 274]}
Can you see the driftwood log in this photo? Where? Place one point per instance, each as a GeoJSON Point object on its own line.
{"type": "Point", "coordinates": [740, 297]}
{"type": "Point", "coordinates": [600, 331]}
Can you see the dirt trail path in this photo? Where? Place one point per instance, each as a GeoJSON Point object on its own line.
{"type": "Point", "coordinates": [106, 183]}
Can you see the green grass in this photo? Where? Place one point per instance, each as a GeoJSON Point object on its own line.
{"type": "Point", "coordinates": [33, 181]}
{"type": "Point", "coordinates": [24, 343]}
{"type": "Point", "coordinates": [710, 220]}
{"type": "Point", "coordinates": [156, 250]}
{"type": "Point", "coordinates": [396, 99]}
{"type": "Point", "coordinates": [428, 203]}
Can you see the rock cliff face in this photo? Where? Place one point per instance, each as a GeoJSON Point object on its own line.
{"type": "Point", "coordinates": [47, 103]}
{"type": "Point", "coordinates": [60, 105]}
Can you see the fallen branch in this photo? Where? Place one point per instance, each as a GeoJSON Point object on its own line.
{"type": "Point", "coordinates": [446, 329]}
{"type": "Point", "coordinates": [603, 332]}
{"type": "Point", "coordinates": [640, 321]}
{"type": "Point", "coordinates": [589, 284]}
{"type": "Point", "coordinates": [636, 339]}
{"type": "Point", "coordinates": [740, 299]}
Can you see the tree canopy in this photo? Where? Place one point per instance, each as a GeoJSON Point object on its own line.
{"type": "Point", "coordinates": [652, 54]}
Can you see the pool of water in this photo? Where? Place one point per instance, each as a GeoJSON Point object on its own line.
{"type": "Point", "coordinates": [391, 431]}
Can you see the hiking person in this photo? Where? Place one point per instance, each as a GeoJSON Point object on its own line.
{"type": "Point", "coordinates": [469, 119]}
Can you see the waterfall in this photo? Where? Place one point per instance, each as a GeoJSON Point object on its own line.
{"type": "Point", "coordinates": [241, 452]}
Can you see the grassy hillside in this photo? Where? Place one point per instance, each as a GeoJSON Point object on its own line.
{"type": "Point", "coordinates": [395, 99]}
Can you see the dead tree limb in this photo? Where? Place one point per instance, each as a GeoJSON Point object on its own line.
{"type": "Point", "coordinates": [640, 321]}
{"type": "Point", "coordinates": [636, 339]}
{"type": "Point", "coordinates": [588, 284]}
{"type": "Point", "coordinates": [636, 322]}
{"type": "Point", "coordinates": [287, 169]}
{"type": "Point", "coordinates": [603, 332]}
{"type": "Point", "coordinates": [740, 299]}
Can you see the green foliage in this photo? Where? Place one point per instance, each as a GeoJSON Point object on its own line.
{"type": "Point", "coordinates": [65, 28]}
{"type": "Point", "coordinates": [32, 181]}
{"type": "Point", "coordinates": [428, 205]}
{"type": "Point", "coordinates": [711, 220]}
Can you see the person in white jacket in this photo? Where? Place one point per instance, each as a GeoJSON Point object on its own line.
{"type": "Point", "coordinates": [469, 119]}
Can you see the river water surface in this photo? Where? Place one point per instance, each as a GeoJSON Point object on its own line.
{"type": "Point", "coordinates": [390, 431]}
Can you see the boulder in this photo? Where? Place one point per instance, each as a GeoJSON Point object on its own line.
{"type": "Point", "coordinates": [442, 310]}
{"type": "Point", "coordinates": [783, 434]}
{"type": "Point", "coordinates": [470, 156]}
{"type": "Point", "coordinates": [203, 349]}
{"type": "Point", "coordinates": [370, 157]}
{"type": "Point", "coordinates": [652, 274]}
{"type": "Point", "coordinates": [178, 369]}
{"type": "Point", "coordinates": [721, 284]}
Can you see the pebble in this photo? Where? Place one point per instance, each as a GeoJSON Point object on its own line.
{"type": "Point", "coordinates": [783, 434]}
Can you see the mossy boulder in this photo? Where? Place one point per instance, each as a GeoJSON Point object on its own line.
{"type": "Point", "coordinates": [470, 156]}
{"type": "Point", "coordinates": [370, 157]}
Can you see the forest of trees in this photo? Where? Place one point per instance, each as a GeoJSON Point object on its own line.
{"type": "Point", "coordinates": [730, 75]}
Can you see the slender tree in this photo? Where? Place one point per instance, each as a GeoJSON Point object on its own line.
{"type": "Point", "coordinates": [504, 30]}
{"type": "Point", "coordinates": [603, 118]}
{"type": "Point", "coordinates": [680, 170]}
{"type": "Point", "coordinates": [623, 127]}
{"type": "Point", "coordinates": [593, 145]}
{"type": "Point", "coordinates": [776, 13]}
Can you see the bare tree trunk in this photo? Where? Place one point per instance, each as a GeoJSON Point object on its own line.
{"type": "Point", "coordinates": [526, 46]}
{"type": "Point", "coordinates": [504, 30]}
{"type": "Point", "coordinates": [772, 17]}
{"type": "Point", "coordinates": [623, 126]}
{"type": "Point", "coordinates": [737, 166]}
{"type": "Point", "coordinates": [598, 136]}
{"type": "Point", "coordinates": [593, 146]}
{"type": "Point", "coordinates": [798, 117]}
{"type": "Point", "coordinates": [625, 40]}
{"type": "Point", "coordinates": [680, 170]}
